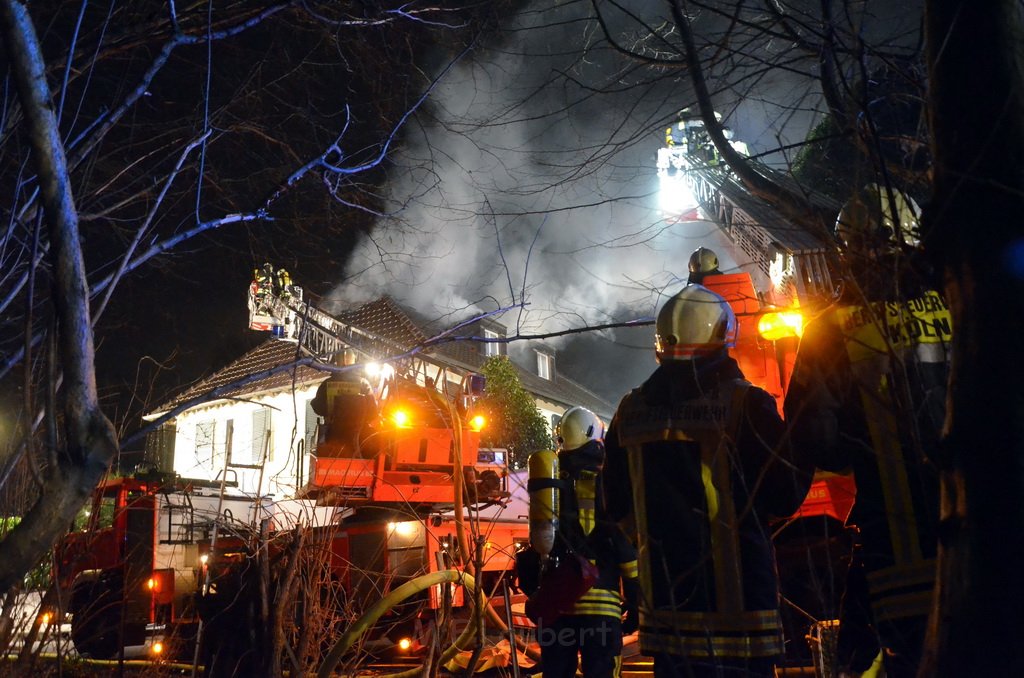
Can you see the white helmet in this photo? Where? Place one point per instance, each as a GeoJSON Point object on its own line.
{"type": "Point", "coordinates": [577, 427]}
{"type": "Point", "coordinates": [866, 221]}
{"type": "Point", "coordinates": [694, 323]}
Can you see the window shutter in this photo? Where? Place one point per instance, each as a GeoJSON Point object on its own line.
{"type": "Point", "coordinates": [260, 435]}
{"type": "Point", "coordinates": [204, 441]}
{"type": "Point", "coordinates": [310, 431]}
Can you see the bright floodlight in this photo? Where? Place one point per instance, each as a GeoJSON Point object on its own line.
{"type": "Point", "coordinates": [674, 195]}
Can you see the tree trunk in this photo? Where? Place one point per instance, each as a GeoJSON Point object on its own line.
{"type": "Point", "coordinates": [91, 443]}
{"type": "Point", "coordinates": [975, 231]}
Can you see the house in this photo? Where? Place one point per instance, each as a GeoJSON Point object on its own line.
{"type": "Point", "coordinates": [259, 428]}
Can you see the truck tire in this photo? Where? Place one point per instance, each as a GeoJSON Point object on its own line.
{"type": "Point", "coordinates": [95, 623]}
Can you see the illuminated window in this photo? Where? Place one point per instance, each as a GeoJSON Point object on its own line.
{"type": "Point", "coordinates": [492, 348]}
{"type": "Point", "coordinates": [108, 506]}
{"type": "Point", "coordinates": [545, 365]}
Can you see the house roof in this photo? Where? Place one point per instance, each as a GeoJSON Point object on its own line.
{"type": "Point", "coordinates": [559, 389]}
{"type": "Point", "coordinates": [251, 370]}
{"type": "Point", "coordinates": [392, 324]}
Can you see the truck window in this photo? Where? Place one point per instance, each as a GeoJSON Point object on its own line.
{"type": "Point", "coordinates": [105, 519]}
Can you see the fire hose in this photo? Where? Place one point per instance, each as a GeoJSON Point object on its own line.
{"type": "Point", "coordinates": [463, 543]}
{"type": "Point", "coordinates": [370, 617]}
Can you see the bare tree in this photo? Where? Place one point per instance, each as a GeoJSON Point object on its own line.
{"type": "Point", "coordinates": [140, 128]}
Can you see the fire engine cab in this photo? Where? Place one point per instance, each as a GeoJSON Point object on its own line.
{"type": "Point", "coordinates": [130, 573]}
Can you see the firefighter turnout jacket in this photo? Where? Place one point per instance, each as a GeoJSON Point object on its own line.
{"type": "Point", "coordinates": [868, 394]}
{"type": "Point", "coordinates": [347, 404]}
{"type": "Point", "coordinates": [585, 529]}
{"type": "Point", "coordinates": [695, 456]}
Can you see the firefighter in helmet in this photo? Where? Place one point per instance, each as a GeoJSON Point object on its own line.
{"type": "Point", "coordinates": [696, 462]}
{"type": "Point", "coordinates": [345, 400]}
{"type": "Point", "coordinates": [703, 262]}
{"type": "Point", "coordinates": [589, 633]}
{"type": "Point", "coordinates": [263, 287]}
{"type": "Point", "coordinates": [868, 396]}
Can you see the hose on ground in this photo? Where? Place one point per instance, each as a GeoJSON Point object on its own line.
{"type": "Point", "coordinates": [370, 617]}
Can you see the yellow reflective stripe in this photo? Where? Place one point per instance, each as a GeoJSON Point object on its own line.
{"type": "Point", "coordinates": [722, 524]}
{"type": "Point", "coordinates": [601, 595]}
{"type": "Point", "coordinates": [600, 610]}
{"type": "Point", "coordinates": [587, 520]}
{"type": "Point", "coordinates": [586, 494]}
{"type": "Point", "coordinates": [710, 493]}
{"type": "Point", "coordinates": [902, 576]}
{"type": "Point", "coordinates": [601, 602]}
{"type": "Point", "coordinates": [899, 508]}
{"type": "Point", "coordinates": [868, 346]}
{"type": "Point", "coordinates": [711, 645]}
{"type": "Point", "coordinates": [617, 670]}
{"type": "Point", "coordinates": [629, 570]}
{"type": "Point", "coordinates": [634, 456]}
{"type": "Point", "coordinates": [725, 550]}
{"type": "Point", "coordinates": [748, 621]}
{"type": "Point", "coordinates": [917, 604]}
{"type": "Point", "coordinates": [903, 590]}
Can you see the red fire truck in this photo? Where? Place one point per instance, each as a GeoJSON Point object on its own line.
{"type": "Point", "coordinates": [400, 506]}
{"type": "Point", "coordinates": [130, 573]}
{"type": "Point", "coordinates": [159, 550]}
{"type": "Point", "coordinates": [154, 542]}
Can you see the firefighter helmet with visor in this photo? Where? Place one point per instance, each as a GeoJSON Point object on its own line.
{"type": "Point", "coordinates": [877, 218]}
{"type": "Point", "coordinates": [694, 323]}
{"type": "Point", "coordinates": [345, 357]}
{"type": "Point", "coordinates": [703, 261]}
{"type": "Point", "coordinates": [577, 427]}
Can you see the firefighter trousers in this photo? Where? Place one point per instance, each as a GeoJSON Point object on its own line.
{"type": "Point", "coordinates": [674, 666]}
{"type": "Point", "coordinates": [596, 638]}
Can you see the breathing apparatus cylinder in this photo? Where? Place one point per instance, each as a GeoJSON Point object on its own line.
{"type": "Point", "coordinates": [543, 487]}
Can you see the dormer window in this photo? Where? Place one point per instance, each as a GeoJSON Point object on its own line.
{"type": "Point", "coordinates": [545, 365]}
{"type": "Point", "coordinates": [492, 348]}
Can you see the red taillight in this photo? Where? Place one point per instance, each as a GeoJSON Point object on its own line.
{"type": "Point", "coordinates": [161, 586]}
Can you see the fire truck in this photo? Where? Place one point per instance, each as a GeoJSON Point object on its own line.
{"type": "Point", "coordinates": [417, 492]}
{"type": "Point", "coordinates": [130, 573]}
{"type": "Point", "coordinates": [155, 557]}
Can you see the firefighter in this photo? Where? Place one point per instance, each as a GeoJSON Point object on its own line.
{"type": "Point", "coordinates": [590, 634]}
{"type": "Point", "coordinates": [282, 283]}
{"type": "Point", "coordinates": [345, 401]}
{"type": "Point", "coordinates": [703, 262]}
{"type": "Point", "coordinates": [263, 287]}
{"type": "Point", "coordinates": [695, 462]}
{"type": "Point", "coordinates": [868, 395]}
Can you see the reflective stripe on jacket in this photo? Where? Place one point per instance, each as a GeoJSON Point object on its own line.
{"type": "Point", "coordinates": [692, 455]}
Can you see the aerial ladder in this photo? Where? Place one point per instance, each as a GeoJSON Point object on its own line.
{"type": "Point", "coordinates": [425, 421]}
{"type": "Point", "coordinates": [793, 274]}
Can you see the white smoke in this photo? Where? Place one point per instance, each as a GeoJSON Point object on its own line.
{"type": "Point", "coordinates": [520, 186]}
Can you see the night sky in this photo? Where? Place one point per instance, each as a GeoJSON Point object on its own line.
{"type": "Point", "coordinates": [525, 180]}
